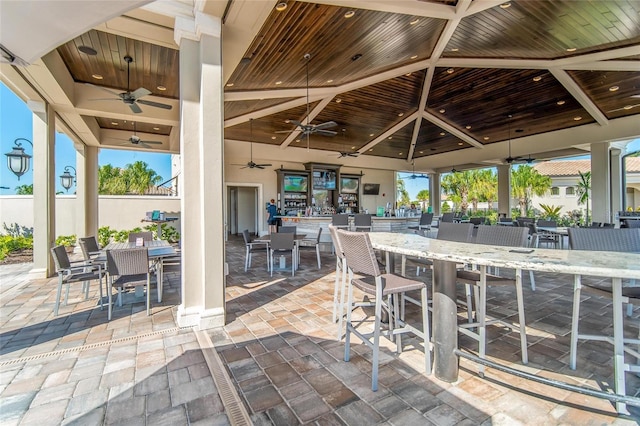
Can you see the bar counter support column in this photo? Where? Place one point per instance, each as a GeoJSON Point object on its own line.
{"type": "Point", "coordinates": [445, 321]}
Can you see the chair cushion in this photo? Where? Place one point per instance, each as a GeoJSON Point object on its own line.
{"type": "Point", "coordinates": [473, 278]}
{"type": "Point", "coordinates": [392, 284]}
{"type": "Point", "coordinates": [130, 280]}
{"type": "Point", "coordinates": [81, 276]}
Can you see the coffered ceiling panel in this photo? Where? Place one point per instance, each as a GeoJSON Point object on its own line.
{"type": "Point", "coordinates": [616, 93]}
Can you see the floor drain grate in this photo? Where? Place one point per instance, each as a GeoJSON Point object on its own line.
{"type": "Point", "coordinates": [90, 346]}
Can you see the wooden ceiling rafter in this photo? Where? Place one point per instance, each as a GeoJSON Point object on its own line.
{"type": "Point", "coordinates": [426, 86]}
{"type": "Point", "coordinates": [306, 119]}
{"type": "Point", "coordinates": [389, 132]}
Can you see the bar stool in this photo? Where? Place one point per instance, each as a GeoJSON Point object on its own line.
{"type": "Point", "coordinates": [362, 222]}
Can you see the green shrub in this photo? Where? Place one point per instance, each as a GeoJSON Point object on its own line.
{"type": "Point", "coordinates": [104, 235]}
{"type": "Point", "coordinates": [66, 240]}
{"type": "Point", "coordinates": [9, 243]}
{"type": "Point", "coordinates": [169, 233]}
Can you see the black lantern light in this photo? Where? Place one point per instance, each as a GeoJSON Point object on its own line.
{"type": "Point", "coordinates": [17, 160]}
{"type": "Point", "coordinates": [67, 179]}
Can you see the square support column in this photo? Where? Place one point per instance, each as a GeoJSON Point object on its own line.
{"type": "Point", "coordinates": [44, 185]}
{"type": "Point", "coordinates": [87, 192]}
{"type": "Point", "coordinates": [504, 190]}
{"type": "Point", "coordinates": [600, 198]}
{"type": "Point", "coordinates": [434, 193]}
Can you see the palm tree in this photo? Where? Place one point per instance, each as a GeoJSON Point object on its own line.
{"type": "Point", "coordinates": [487, 186]}
{"type": "Point", "coordinates": [525, 182]}
{"type": "Point", "coordinates": [139, 177]}
{"type": "Point", "coordinates": [423, 197]}
{"type": "Point", "coordinates": [110, 180]}
{"type": "Point", "coordinates": [403, 195]}
{"type": "Point", "coordinates": [584, 187]}
{"type": "Point", "coordinates": [458, 185]}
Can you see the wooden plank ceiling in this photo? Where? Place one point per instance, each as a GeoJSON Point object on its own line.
{"type": "Point", "coordinates": [480, 75]}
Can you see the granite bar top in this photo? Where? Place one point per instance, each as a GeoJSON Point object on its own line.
{"type": "Point", "coordinates": [596, 263]}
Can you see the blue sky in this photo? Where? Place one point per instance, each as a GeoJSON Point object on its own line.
{"type": "Point", "coordinates": [16, 122]}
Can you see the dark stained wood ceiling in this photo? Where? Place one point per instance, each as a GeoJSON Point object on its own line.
{"type": "Point", "coordinates": [369, 72]}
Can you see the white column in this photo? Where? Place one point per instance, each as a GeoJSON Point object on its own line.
{"type": "Point", "coordinates": [600, 199]}
{"type": "Point", "coordinates": [87, 192]}
{"type": "Point", "coordinates": [44, 195]}
{"type": "Point", "coordinates": [202, 183]}
{"type": "Point", "coordinates": [617, 194]}
{"type": "Point", "coordinates": [434, 193]}
{"type": "Point", "coordinates": [504, 190]}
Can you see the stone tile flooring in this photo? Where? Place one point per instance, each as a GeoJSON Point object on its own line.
{"type": "Point", "coordinates": [282, 352]}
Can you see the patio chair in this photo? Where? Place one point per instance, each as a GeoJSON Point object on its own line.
{"type": "Point", "coordinates": [281, 243]}
{"type": "Point", "coordinates": [361, 259]}
{"type": "Point", "coordinates": [362, 222]}
{"type": "Point", "coordinates": [311, 244]}
{"type": "Point", "coordinates": [128, 268]}
{"type": "Point", "coordinates": [633, 224]}
{"type": "Point", "coordinates": [340, 281]}
{"type": "Point", "coordinates": [340, 221]}
{"type": "Point", "coordinates": [289, 229]}
{"type": "Point", "coordinates": [146, 236]}
{"type": "Point", "coordinates": [253, 247]}
{"type": "Point", "coordinates": [447, 217]}
{"type": "Point", "coordinates": [73, 272]}
{"type": "Point", "coordinates": [89, 246]}
{"type": "Point", "coordinates": [480, 279]}
{"type": "Point", "coordinates": [541, 237]}
{"type": "Point", "coordinates": [425, 222]}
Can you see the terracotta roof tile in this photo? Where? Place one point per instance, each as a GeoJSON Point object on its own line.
{"type": "Point", "coordinates": [572, 167]}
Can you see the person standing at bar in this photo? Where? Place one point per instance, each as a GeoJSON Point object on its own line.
{"type": "Point", "coordinates": [272, 212]}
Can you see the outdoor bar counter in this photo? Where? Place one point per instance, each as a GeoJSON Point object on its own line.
{"type": "Point", "coordinates": [378, 224]}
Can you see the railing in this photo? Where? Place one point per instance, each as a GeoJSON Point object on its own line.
{"type": "Point", "coordinates": [163, 189]}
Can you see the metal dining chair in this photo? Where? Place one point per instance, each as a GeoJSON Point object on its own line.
{"type": "Point", "coordinates": [128, 268]}
{"type": "Point", "coordinates": [253, 247]}
{"type": "Point", "coordinates": [289, 229]}
{"type": "Point", "coordinates": [361, 260]}
{"type": "Point", "coordinates": [340, 281]}
{"type": "Point", "coordinates": [340, 221]}
{"type": "Point", "coordinates": [73, 272]}
{"type": "Point", "coordinates": [146, 236]}
{"type": "Point", "coordinates": [425, 222]}
{"type": "Point", "coordinates": [311, 244]}
{"type": "Point", "coordinates": [362, 222]}
{"type": "Point", "coordinates": [282, 243]}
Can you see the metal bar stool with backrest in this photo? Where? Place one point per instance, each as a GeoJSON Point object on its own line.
{"type": "Point", "coordinates": [362, 222]}
{"type": "Point", "coordinates": [311, 244]}
{"type": "Point", "coordinates": [480, 279]}
{"type": "Point", "coordinates": [340, 221]}
{"type": "Point", "coordinates": [253, 247]}
{"type": "Point", "coordinates": [340, 281]}
{"type": "Point", "coordinates": [130, 267]}
{"type": "Point", "coordinates": [74, 272]}
{"type": "Point", "coordinates": [146, 236]}
{"type": "Point", "coordinates": [281, 243]}
{"type": "Point", "coordinates": [361, 259]}
{"type": "Point", "coordinates": [606, 239]}
{"type": "Point", "coordinates": [425, 222]}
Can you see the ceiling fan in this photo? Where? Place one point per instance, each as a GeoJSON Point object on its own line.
{"type": "Point", "coordinates": [251, 164]}
{"type": "Point", "coordinates": [132, 98]}
{"type": "Point", "coordinates": [413, 175]}
{"type": "Point", "coordinates": [135, 140]}
{"type": "Point", "coordinates": [518, 159]}
{"type": "Point", "coordinates": [346, 153]}
{"type": "Point", "coordinates": [308, 128]}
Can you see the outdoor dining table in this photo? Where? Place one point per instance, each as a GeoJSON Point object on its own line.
{"type": "Point", "coordinates": [446, 254]}
{"type": "Point", "coordinates": [157, 249]}
{"type": "Point", "coordinates": [267, 239]}
{"type": "Point", "coordinates": [560, 231]}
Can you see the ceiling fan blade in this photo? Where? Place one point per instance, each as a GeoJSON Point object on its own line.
{"type": "Point", "coordinates": [104, 89]}
{"type": "Point", "coordinates": [154, 104]}
{"type": "Point", "coordinates": [258, 166]}
{"type": "Point", "coordinates": [324, 132]}
{"type": "Point", "coordinates": [145, 145]}
{"type": "Point", "coordinates": [135, 108]}
{"type": "Point", "coordinates": [297, 123]}
{"type": "Point", "coordinates": [104, 99]}
{"type": "Point", "coordinates": [263, 165]}
{"type": "Point", "coordinates": [138, 93]}
{"type": "Point", "coordinates": [152, 142]}
{"type": "Point", "coordinates": [285, 131]}
{"type": "Point", "coordinates": [327, 125]}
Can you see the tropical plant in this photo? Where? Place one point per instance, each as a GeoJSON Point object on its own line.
{"type": "Point", "coordinates": [584, 189]}
{"type": "Point", "coordinates": [66, 240]}
{"type": "Point", "coordinates": [446, 207]}
{"type": "Point", "coordinates": [139, 177]}
{"type": "Point", "coordinates": [526, 182]}
{"type": "Point", "coordinates": [458, 185]}
{"type": "Point", "coordinates": [110, 180]}
{"type": "Point", "coordinates": [551, 211]}
{"type": "Point", "coordinates": [14, 230]}
{"type": "Point", "coordinates": [487, 187]}
{"type": "Point", "coordinates": [24, 189]}
{"type": "Point", "coordinates": [104, 235]}
{"type": "Point", "coordinates": [423, 196]}
{"type": "Point", "coordinates": [402, 198]}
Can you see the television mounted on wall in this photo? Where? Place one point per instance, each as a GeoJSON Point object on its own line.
{"type": "Point", "coordinates": [295, 183]}
{"type": "Point", "coordinates": [371, 189]}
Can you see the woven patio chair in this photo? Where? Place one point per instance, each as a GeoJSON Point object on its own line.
{"type": "Point", "coordinates": [362, 222]}
{"type": "Point", "coordinates": [340, 281]}
{"type": "Point", "coordinates": [480, 280]}
{"type": "Point", "coordinates": [128, 268]}
{"type": "Point", "coordinates": [146, 236]}
{"type": "Point", "coordinates": [73, 272]}
{"type": "Point", "coordinates": [361, 259]}
{"type": "Point", "coordinates": [425, 222]}
{"type": "Point", "coordinates": [311, 244]}
{"type": "Point", "coordinates": [253, 247]}
{"type": "Point", "coordinates": [281, 243]}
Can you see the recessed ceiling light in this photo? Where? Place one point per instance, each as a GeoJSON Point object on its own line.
{"type": "Point", "coordinates": [408, 74]}
{"type": "Point", "coordinates": [161, 88]}
{"type": "Point", "coordinates": [627, 107]}
{"type": "Point", "coordinates": [229, 84]}
{"type": "Point", "coordinates": [278, 83]}
{"type": "Point", "coordinates": [371, 150]}
{"type": "Point", "coordinates": [560, 102]}
{"type": "Point", "coordinates": [370, 135]}
{"type": "Point", "coordinates": [571, 49]}
{"type": "Point", "coordinates": [578, 118]}
{"type": "Point", "coordinates": [156, 128]}
{"type": "Point", "coordinates": [273, 137]}
{"type": "Point", "coordinates": [460, 143]}
{"type": "Point", "coordinates": [442, 111]}
{"type": "Point", "coordinates": [486, 138]}
{"type": "Point", "coordinates": [442, 133]}
{"type": "Point", "coordinates": [356, 57]}
{"type": "Point", "coordinates": [329, 81]}
{"type": "Point", "coordinates": [400, 114]}
{"type": "Point", "coordinates": [415, 21]}
{"type": "Point", "coordinates": [414, 56]}
{"type": "Point", "coordinates": [114, 123]}
{"type": "Point", "coordinates": [614, 88]}
{"type": "Point", "coordinates": [467, 127]}
{"type": "Point", "coordinates": [505, 5]}
{"type": "Point", "coordinates": [88, 50]}
{"type": "Point", "coordinates": [297, 140]}
{"type": "Point", "coordinates": [450, 71]}
{"type": "Point", "coordinates": [390, 137]}
{"type": "Point", "coordinates": [537, 78]}
{"type": "Point", "coordinates": [338, 100]}
{"type": "Point", "coordinates": [454, 49]}
{"type": "Point", "coordinates": [281, 6]}
{"type": "Point", "coordinates": [353, 147]}
{"type": "Point", "coordinates": [421, 152]}
{"type": "Point", "coordinates": [399, 153]}
{"type": "Point", "coordinates": [349, 14]}
{"type": "Point", "coordinates": [97, 76]}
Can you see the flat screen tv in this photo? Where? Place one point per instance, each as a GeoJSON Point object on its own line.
{"type": "Point", "coordinates": [349, 185]}
{"type": "Point", "coordinates": [293, 183]}
{"type": "Point", "coordinates": [324, 180]}
{"type": "Point", "coordinates": [371, 189]}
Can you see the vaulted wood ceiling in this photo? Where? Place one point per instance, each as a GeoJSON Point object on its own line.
{"type": "Point", "coordinates": [403, 79]}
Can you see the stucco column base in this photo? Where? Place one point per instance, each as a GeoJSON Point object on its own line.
{"type": "Point", "coordinates": [204, 319]}
{"type": "Point", "coordinates": [37, 274]}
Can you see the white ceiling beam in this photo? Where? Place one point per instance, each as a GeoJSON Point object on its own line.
{"type": "Point", "coordinates": [389, 132]}
{"type": "Point", "coordinates": [426, 86]}
{"type": "Point", "coordinates": [605, 66]}
{"type": "Point", "coordinates": [267, 111]}
{"type": "Point", "coordinates": [312, 115]}
{"type": "Point", "coordinates": [455, 132]}
{"type": "Point", "coordinates": [404, 7]}
{"type": "Point", "coordinates": [481, 6]}
{"type": "Point", "coordinates": [139, 30]}
{"type": "Point", "coordinates": [494, 63]}
{"type": "Point", "coordinates": [597, 56]}
{"type": "Point", "coordinates": [575, 91]}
